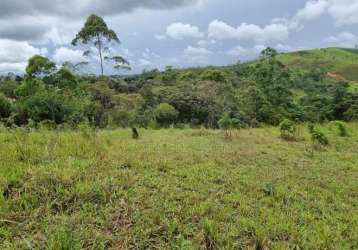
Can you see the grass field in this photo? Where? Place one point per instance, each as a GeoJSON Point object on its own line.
{"type": "Point", "coordinates": [177, 189]}
{"type": "Point", "coordinates": [343, 62]}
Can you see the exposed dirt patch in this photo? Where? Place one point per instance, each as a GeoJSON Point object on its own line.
{"type": "Point", "coordinates": [119, 225]}
{"type": "Point", "coordinates": [337, 76]}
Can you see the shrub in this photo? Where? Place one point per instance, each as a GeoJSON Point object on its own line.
{"type": "Point", "coordinates": [226, 122]}
{"type": "Point", "coordinates": [8, 88]}
{"type": "Point", "coordinates": [165, 114]}
{"type": "Point", "coordinates": [288, 129]}
{"type": "Point", "coordinates": [352, 113]}
{"type": "Point", "coordinates": [213, 75]}
{"type": "Point", "coordinates": [5, 107]}
{"type": "Point", "coordinates": [318, 137]}
{"type": "Point", "coordinates": [342, 129]}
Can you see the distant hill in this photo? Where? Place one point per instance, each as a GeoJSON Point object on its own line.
{"type": "Point", "coordinates": [339, 63]}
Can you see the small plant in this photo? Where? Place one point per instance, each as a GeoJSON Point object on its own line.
{"type": "Point", "coordinates": [288, 129]}
{"type": "Point", "coordinates": [135, 134]}
{"type": "Point", "coordinates": [226, 122]}
{"type": "Point", "coordinates": [65, 240]}
{"type": "Point", "coordinates": [268, 189]}
{"type": "Point", "coordinates": [210, 235]}
{"type": "Point", "coordinates": [22, 149]}
{"type": "Point", "coordinates": [87, 131]}
{"type": "Point", "coordinates": [318, 137]}
{"type": "Point", "coordinates": [342, 129]}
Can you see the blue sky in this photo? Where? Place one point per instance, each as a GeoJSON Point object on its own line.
{"type": "Point", "coordinates": [182, 33]}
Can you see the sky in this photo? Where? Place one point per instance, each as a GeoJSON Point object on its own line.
{"type": "Point", "coordinates": [180, 33]}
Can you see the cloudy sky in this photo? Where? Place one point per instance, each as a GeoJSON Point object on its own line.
{"type": "Point", "coordinates": [181, 33]}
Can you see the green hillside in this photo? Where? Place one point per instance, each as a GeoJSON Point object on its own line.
{"type": "Point", "coordinates": [339, 61]}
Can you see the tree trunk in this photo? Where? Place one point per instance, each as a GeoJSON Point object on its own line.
{"type": "Point", "coordinates": [100, 54]}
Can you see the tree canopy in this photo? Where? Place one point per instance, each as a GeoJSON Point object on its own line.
{"type": "Point", "coordinates": [95, 33]}
{"type": "Point", "coordinates": [39, 66]}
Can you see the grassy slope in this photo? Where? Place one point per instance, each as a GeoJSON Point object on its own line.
{"type": "Point", "coordinates": [341, 61]}
{"type": "Point", "coordinates": [177, 189]}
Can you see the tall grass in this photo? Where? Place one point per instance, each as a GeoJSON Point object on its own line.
{"type": "Point", "coordinates": [177, 189]}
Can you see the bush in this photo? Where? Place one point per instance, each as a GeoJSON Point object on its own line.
{"type": "Point", "coordinates": [352, 113]}
{"type": "Point", "coordinates": [9, 88]}
{"type": "Point", "coordinates": [226, 122]}
{"type": "Point", "coordinates": [288, 129]}
{"type": "Point", "coordinates": [165, 114]}
{"type": "Point", "coordinates": [342, 129]}
{"type": "Point", "coordinates": [5, 107]}
{"type": "Point", "coordinates": [213, 75]}
{"type": "Point", "coordinates": [317, 137]}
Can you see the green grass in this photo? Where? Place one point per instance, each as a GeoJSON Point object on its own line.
{"type": "Point", "coordinates": [354, 87]}
{"type": "Point", "coordinates": [337, 60]}
{"type": "Point", "coordinates": [178, 189]}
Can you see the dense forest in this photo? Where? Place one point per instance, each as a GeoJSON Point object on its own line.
{"type": "Point", "coordinates": [265, 91]}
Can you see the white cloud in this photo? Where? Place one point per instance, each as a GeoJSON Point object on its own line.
{"type": "Point", "coordinates": [61, 35]}
{"type": "Point", "coordinates": [283, 48]}
{"type": "Point", "coordinates": [14, 55]}
{"type": "Point", "coordinates": [14, 52]}
{"type": "Point", "coordinates": [12, 67]}
{"type": "Point", "coordinates": [221, 30]}
{"type": "Point", "coordinates": [148, 54]}
{"type": "Point", "coordinates": [206, 43]}
{"type": "Point", "coordinates": [246, 53]}
{"type": "Point", "coordinates": [196, 51]}
{"type": "Point", "coordinates": [344, 11]}
{"type": "Point", "coordinates": [64, 54]}
{"type": "Point", "coordinates": [238, 51]}
{"type": "Point", "coordinates": [344, 39]}
{"type": "Point", "coordinates": [312, 10]}
{"type": "Point", "coordinates": [126, 52]}
{"type": "Point", "coordinates": [180, 31]}
{"type": "Point", "coordinates": [275, 32]}
{"type": "Point", "coordinates": [197, 55]}
{"type": "Point", "coordinates": [160, 37]}
{"type": "Point", "coordinates": [145, 63]}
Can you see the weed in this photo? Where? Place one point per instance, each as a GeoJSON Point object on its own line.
{"type": "Point", "coordinates": [342, 128]}
{"type": "Point", "coordinates": [318, 137]}
{"type": "Point", "coordinates": [64, 239]}
{"type": "Point", "coordinates": [268, 189]}
{"type": "Point", "coordinates": [288, 130]}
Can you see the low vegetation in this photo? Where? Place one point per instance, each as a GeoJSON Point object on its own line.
{"type": "Point", "coordinates": [340, 63]}
{"type": "Point", "coordinates": [177, 189]}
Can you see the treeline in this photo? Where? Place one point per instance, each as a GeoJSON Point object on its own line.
{"type": "Point", "coordinates": [241, 95]}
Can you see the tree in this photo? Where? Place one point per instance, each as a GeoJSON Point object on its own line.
{"type": "Point", "coordinates": [5, 106]}
{"type": "Point", "coordinates": [74, 67]}
{"type": "Point", "coordinates": [8, 87]}
{"type": "Point", "coordinates": [40, 66]}
{"type": "Point", "coordinates": [64, 79]}
{"type": "Point", "coordinates": [165, 114]}
{"type": "Point", "coordinates": [96, 33]}
{"type": "Point", "coordinates": [274, 80]}
{"type": "Point", "coordinates": [226, 122]}
{"type": "Point", "coordinates": [213, 75]}
{"type": "Point", "coordinates": [268, 53]}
